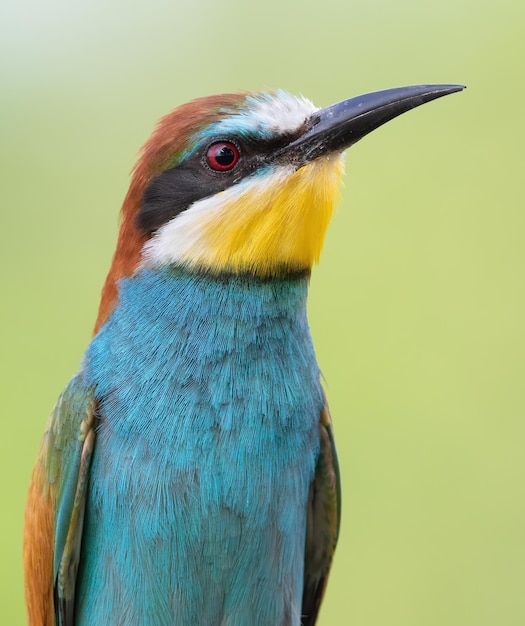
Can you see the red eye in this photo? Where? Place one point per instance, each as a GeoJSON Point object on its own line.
{"type": "Point", "coordinates": [222, 156]}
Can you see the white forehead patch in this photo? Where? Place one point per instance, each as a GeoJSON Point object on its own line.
{"type": "Point", "coordinates": [280, 111]}
{"type": "Point", "coordinates": [268, 114]}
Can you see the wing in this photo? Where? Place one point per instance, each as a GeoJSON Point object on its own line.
{"type": "Point", "coordinates": [322, 528]}
{"type": "Point", "coordinates": [55, 508]}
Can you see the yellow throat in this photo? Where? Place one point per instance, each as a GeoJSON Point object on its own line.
{"type": "Point", "coordinates": [268, 224]}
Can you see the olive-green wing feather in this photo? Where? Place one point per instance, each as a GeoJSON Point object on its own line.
{"type": "Point", "coordinates": [55, 508]}
{"type": "Point", "coordinates": [322, 529]}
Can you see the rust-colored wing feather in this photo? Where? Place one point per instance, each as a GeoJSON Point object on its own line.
{"type": "Point", "coordinates": [55, 508]}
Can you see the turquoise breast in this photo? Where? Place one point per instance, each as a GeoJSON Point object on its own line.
{"type": "Point", "coordinates": [209, 403]}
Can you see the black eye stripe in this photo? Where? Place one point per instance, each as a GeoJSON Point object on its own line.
{"type": "Point", "coordinates": [176, 189]}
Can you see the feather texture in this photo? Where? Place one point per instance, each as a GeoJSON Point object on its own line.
{"type": "Point", "coordinates": [55, 508]}
{"type": "Point", "coordinates": [324, 517]}
{"type": "Point", "coordinates": [209, 401]}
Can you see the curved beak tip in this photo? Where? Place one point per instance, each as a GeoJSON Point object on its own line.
{"type": "Point", "coordinates": [340, 125]}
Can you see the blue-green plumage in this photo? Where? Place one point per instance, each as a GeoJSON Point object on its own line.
{"type": "Point", "coordinates": [209, 404]}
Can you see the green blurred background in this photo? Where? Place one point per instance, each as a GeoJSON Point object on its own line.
{"type": "Point", "coordinates": [416, 309]}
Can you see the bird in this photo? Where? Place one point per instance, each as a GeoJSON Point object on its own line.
{"type": "Point", "coordinates": [188, 472]}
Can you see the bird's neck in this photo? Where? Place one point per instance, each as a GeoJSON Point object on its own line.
{"type": "Point", "coordinates": [177, 334]}
{"type": "Point", "coordinates": [174, 295]}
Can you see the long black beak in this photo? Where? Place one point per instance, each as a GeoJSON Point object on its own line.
{"type": "Point", "coordinates": [341, 125]}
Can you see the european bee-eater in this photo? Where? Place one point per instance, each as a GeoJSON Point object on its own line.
{"type": "Point", "coordinates": [188, 474]}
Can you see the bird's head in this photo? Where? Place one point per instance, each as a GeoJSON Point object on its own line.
{"type": "Point", "coordinates": [244, 183]}
{"type": "Point", "coordinates": [234, 197]}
